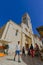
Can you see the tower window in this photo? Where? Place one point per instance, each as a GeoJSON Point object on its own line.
{"type": "Point", "coordinates": [26, 29]}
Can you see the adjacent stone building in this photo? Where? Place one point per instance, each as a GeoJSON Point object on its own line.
{"type": "Point", "coordinates": [12, 32]}
{"type": "Point", "coordinates": [37, 40]}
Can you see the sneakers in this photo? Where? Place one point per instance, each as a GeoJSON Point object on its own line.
{"type": "Point", "coordinates": [14, 59]}
{"type": "Point", "coordinates": [19, 61]}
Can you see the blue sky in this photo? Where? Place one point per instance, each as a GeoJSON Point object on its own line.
{"type": "Point", "coordinates": [14, 9]}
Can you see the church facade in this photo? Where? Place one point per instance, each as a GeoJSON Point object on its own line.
{"type": "Point", "coordinates": [14, 33]}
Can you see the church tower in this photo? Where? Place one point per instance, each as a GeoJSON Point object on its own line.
{"type": "Point", "coordinates": [27, 21]}
{"type": "Point", "coordinates": [27, 31]}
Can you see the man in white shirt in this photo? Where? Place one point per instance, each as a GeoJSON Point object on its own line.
{"type": "Point", "coordinates": [17, 51]}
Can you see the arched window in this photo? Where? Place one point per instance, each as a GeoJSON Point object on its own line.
{"type": "Point", "coordinates": [16, 32]}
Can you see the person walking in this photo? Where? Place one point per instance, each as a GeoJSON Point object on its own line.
{"type": "Point", "coordinates": [23, 51]}
{"type": "Point", "coordinates": [17, 51]}
{"type": "Point", "coordinates": [31, 50]}
{"type": "Point", "coordinates": [37, 51]}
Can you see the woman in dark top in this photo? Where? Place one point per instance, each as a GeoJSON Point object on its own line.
{"type": "Point", "coordinates": [23, 50]}
{"type": "Point", "coordinates": [31, 50]}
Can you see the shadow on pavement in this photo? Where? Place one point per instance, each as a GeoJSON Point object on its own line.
{"type": "Point", "coordinates": [10, 59]}
{"type": "Point", "coordinates": [32, 60]}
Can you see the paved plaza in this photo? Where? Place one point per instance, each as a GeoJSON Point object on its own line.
{"type": "Point", "coordinates": [26, 60]}
{"type": "Point", "coordinates": [8, 60]}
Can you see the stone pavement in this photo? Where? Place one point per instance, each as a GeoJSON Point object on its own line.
{"type": "Point", "coordinates": [8, 60]}
{"type": "Point", "coordinates": [26, 60]}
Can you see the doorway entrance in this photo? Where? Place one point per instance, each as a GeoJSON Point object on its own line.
{"type": "Point", "coordinates": [29, 41]}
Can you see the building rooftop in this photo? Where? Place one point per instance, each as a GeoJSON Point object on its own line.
{"type": "Point", "coordinates": [40, 30]}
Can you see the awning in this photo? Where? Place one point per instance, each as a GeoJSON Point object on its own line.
{"type": "Point", "coordinates": [4, 41]}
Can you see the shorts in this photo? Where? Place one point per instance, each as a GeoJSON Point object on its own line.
{"type": "Point", "coordinates": [18, 52]}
